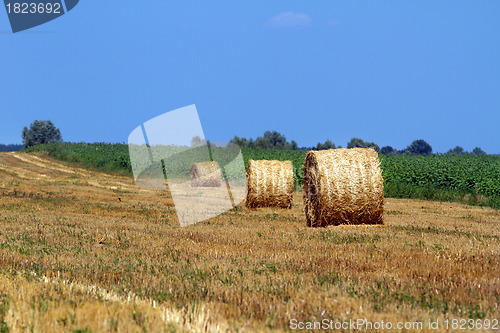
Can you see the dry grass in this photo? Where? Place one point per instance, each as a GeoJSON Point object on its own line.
{"type": "Point", "coordinates": [252, 270]}
{"type": "Point", "coordinates": [41, 304]}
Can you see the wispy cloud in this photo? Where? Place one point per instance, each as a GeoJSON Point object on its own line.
{"type": "Point", "coordinates": [289, 20]}
{"type": "Point", "coordinates": [334, 23]}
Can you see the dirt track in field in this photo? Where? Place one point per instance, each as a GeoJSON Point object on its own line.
{"type": "Point", "coordinates": [254, 269]}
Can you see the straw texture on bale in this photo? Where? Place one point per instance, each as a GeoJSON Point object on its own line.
{"type": "Point", "coordinates": [269, 184]}
{"type": "Point", "coordinates": [343, 186]}
{"type": "Point", "coordinates": [205, 174]}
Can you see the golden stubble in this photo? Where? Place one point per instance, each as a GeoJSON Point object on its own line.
{"type": "Point", "coordinates": [248, 268]}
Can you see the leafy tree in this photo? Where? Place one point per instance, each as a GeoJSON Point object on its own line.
{"type": "Point", "coordinates": [197, 141]}
{"type": "Point", "coordinates": [270, 140]}
{"type": "Point", "coordinates": [261, 142]}
{"type": "Point", "coordinates": [327, 145]}
{"type": "Point", "coordinates": [357, 142]}
{"type": "Point", "coordinates": [388, 150]}
{"type": "Point", "coordinates": [478, 151]}
{"type": "Point", "coordinates": [273, 140]}
{"type": "Point", "coordinates": [372, 145]}
{"type": "Point", "coordinates": [419, 147]}
{"type": "Point", "coordinates": [40, 132]}
{"type": "Point", "coordinates": [457, 151]}
{"type": "Point", "coordinates": [242, 142]}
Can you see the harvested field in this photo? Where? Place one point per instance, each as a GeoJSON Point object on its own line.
{"type": "Point", "coordinates": [88, 250]}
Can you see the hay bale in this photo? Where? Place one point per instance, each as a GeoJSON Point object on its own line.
{"type": "Point", "coordinates": [343, 186]}
{"type": "Point", "coordinates": [205, 174]}
{"type": "Point", "coordinates": [269, 183]}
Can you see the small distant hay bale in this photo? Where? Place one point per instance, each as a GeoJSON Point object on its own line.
{"type": "Point", "coordinates": [343, 186]}
{"type": "Point", "coordinates": [205, 174]}
{"type": "Point", "coordinates": [269, 184]}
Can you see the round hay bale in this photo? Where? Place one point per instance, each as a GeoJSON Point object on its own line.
{"type": "Point", "coordinates": [343, 186]}
{"type": "Point", "coordinates": [269, 183]}
{"type": "Point", "coordinates": [205, 174]}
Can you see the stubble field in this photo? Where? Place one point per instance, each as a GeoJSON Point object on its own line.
{"type": "Point", "coordinates": [89, 251]}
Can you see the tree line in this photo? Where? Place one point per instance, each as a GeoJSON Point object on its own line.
{"type": "Point", "coordinates": [11, 147]}
{"type": "Point", "coordinates": [270, 140]}
{"type": "Point", "coordinates": [44, 131]}
{"type": "Point", "coordinates": [276, 140]}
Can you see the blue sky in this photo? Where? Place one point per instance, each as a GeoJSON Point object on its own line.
{"type": "Point", "coordinates": [385, 71]}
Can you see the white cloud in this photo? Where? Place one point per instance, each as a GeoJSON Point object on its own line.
{"type": "Point", "coordinates": [334, 23]}
{"type": "Point", "coordinates": [290, 20]}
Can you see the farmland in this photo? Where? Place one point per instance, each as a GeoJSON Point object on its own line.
{"type": "Point", "coordinates": [85, 250]}
{"type": "Point", "coordinates": [463, 178]}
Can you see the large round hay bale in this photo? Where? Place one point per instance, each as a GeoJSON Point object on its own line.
{"type": "Point", "coordinates": [205, 174]}
{"type": "Point", "coordinates": [343, 186]}
{"type": "Point", "coordinates": [269, 184]}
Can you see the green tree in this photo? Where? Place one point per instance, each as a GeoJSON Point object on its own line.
{"type": "Point", "coordinates": [387, 150]}
{"type": "Point", "coordinates": [372, 145]}
{"type": "Point", "coordinates": [356, 143]}
{"type": "Point", "coordinates": [197, 141]}
{"type": "Point", "coordinates": [418, 147]}
{"type": "Point", "coordinates": [276, 140]}
{"type": "Point", "coordinates": [11, 147]}
{"type": "Point", "coordinates": [359, 143]}
{"type": "Point", "coordinates": [262, 143]}
{"type": "Point", "coordinates": [327, 145]}
{"type": "Point", "coordinates": [478, 151]}
{"type": "Point", "coordinates": [40, 132]}
{"type": "Point", "coordinates": [270, 140]}
{"type": "Point", "coordinates": [242, 142]}
{"type": "Point", "coordinates": [457, 151]}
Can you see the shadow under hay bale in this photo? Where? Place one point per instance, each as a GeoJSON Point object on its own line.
{"type": "Point", "coordinates": [269, 184]}
{"type": "Point", "coordinates": [205, 174]}
{"type": "Point", "coordinates": [343, 186]}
